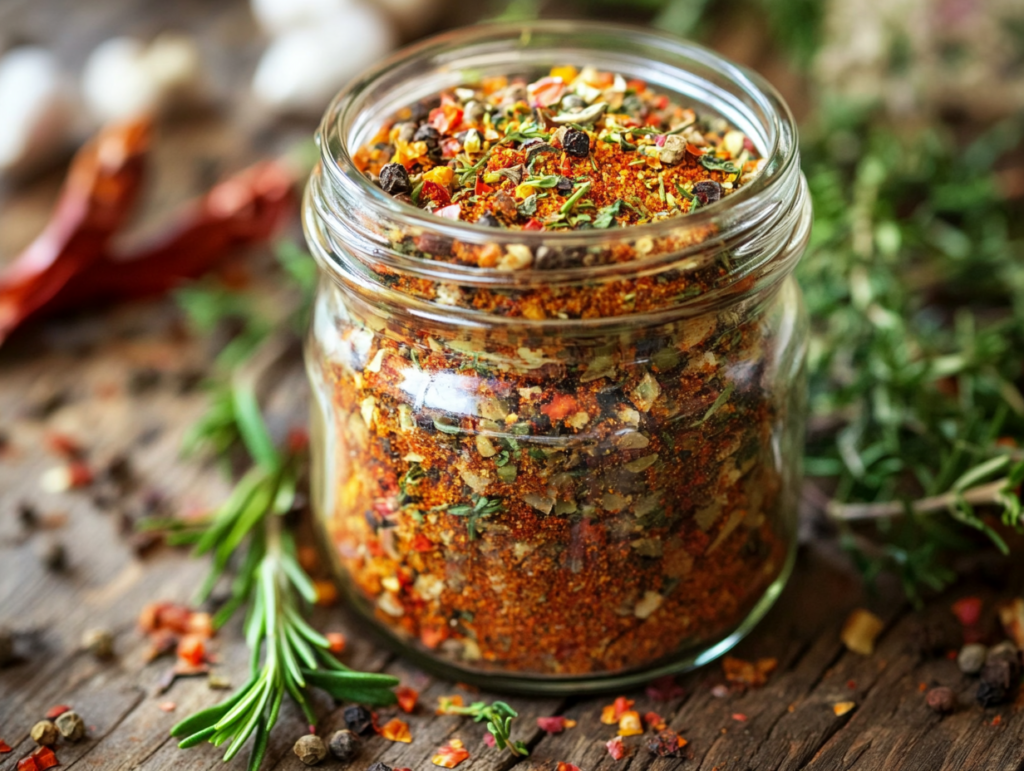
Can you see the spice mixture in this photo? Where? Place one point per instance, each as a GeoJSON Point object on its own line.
{"type": "Point", "coordinates": [548, 503]}
{"type": "Point", "coordinates": [574, 150]}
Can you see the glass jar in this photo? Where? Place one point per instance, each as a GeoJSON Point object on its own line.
{"type": "Point", "coordinates": [570, 478]}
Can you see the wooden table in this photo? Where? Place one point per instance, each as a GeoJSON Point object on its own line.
{"type": "Point", "coordinates": [122, 383]}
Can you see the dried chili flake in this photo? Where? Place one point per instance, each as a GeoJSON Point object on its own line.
{"type": "Point", "coordinates": [45, 758]}
{"type": "Point", "coordinates": [28, 764]}
{"type": "Point", "coordinates": [967, 610]}
{"type": "Point", "coordinates": [4, 747]}
{"type": "Point", "coordinates": [666, 744]}
{"type": "Point", "coordinates": [396, 730]}
{"type": "Point", "coordinates": [192, 650]}
{"type": "Point", "coordinates": [336, 642]}
{"type": "Point", "coordinates": [611, 714]}
{"type": "Point", "coordinates": [168, 706]}
{"type": "Point", "coordinates": [63, 445]}
{"type": "Point", "coordinates": [654, 721]}
{"type": "Point", "coordinates": [749, 673]}
{"type": "Point", "coordinates": [842, 707]}
{"type": "Point", "coordinates": [451, 754]}
{"type": "Point", "coordinates": [562, 766]}
{"type": "Point", "coordinates": [739, 717]}
{"type": "Point", "coordinates": [56, 711]}
{"type": "Point", "coordinates": [489, 740]}
{"type": "Point", "coordinates": [555, 724]}
{"type": "Point", "coordinates": [616, 748]}
{"type": "Point", "coordinates": [629, 723]}
{"type": "Point", "coordinates": [407, 698]}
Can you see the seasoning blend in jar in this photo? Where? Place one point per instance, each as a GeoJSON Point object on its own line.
{"type": "Point", "coordinates": [557, 352]}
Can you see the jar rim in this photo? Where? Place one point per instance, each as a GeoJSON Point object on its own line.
{"type": "Point", "coordinates": [338, 165]}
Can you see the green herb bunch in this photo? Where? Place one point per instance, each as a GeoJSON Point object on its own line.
{"type": "Point", "coordinates": [914, 280]}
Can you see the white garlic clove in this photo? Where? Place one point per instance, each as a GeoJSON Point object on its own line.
{"type": "Point", "coordinates": [277, 16]}
{"type": "Point", "coordinates": [37, 109]}
{"type": "Point", "coordinates": [124, 77]}
{"type": "Point", "coordinates": [302, 69]}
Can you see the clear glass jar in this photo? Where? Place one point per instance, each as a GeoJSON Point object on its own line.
{"type": "Point", "coordinates": [567, 479]}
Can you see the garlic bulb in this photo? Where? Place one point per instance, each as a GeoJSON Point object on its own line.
{"type": "Point", "coordinates": [124, 77]}
{"type": "Point", "coordinates": [277, 16]}
{"type": "Point", "coordinates": [36, 106]}
{"type": "Point", "coordinates": [303, 68]}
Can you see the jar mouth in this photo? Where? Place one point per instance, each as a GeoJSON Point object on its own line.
{"type": "Point", "coordinates": [743, 244]}
{"type": "Point", "coordinates": [663, 61]}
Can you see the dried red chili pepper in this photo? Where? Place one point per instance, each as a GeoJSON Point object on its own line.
{"type": "Point", "coordinates": [99, 193]}
{"type": "Point", "coordinates": [240, 211]}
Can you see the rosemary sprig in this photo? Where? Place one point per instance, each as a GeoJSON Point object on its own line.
{"type": "Point", "coordinates": [288, 657]}
{"type": "Point", "coordinates": [498, 717]}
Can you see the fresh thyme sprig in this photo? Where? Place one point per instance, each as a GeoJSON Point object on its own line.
{"type": "Point", "coordinates": [498, 716]}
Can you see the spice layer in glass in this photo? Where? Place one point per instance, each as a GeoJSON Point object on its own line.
{"type": "Point", "coordinates": [570, 476]}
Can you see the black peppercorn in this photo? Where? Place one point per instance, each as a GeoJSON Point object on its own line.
{"type": "Point", "coordinates": [989, 694]}
{"type": "Point", "coordinates": [563, 186]}
{"type": "Point", "coordinates": [378, 766]}
{"type": "Point", "coordinates": [394, 179]}
{"type": "Point", "coordinates": [576, 143]}
{"type": "Point", "coordinates": [344, 745]}
{"type": "Point", "coordinates": [707, 191]}
{"type": "Point", "coordinates": [359, 720]}
{"type": "Point", "coordinates": [489, 220]}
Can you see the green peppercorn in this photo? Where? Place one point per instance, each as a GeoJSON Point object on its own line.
{"type": "Point", "coordinates": [71, 726]}
{"type": "Point", "coordinates": [44, 733]}
{"type": "Point", "coordinates": [99, 642]}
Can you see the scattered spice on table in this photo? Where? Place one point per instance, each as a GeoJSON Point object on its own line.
{"type": "Point", "coordinates": [629, 723]}
{"type": "Point", "coordinates": [56, 711]}
{"type": "Point", "coordinates": [739, 717]}
{"type": "Point", "coordinates": [168, 706]}
{"type": "Point", "coordinates": [967, 611]}
{"type": "Point", "coordinates": [99, 642]}
{"type": "Point", "coordinates": [337, 642]}
{"type": "Point", "coordinates": [1011, 616]}
{"type": "Point", "coordinates": [654, 721]}
{"type": "Point", "coordinates": [555, 724]}
{"type": "Point", "coordinates": [451, 754]}
{"type": "Point", "coordinates": [4, 747]}
{"type": "Point", "coordinates": [563, 766]}
{"type": "Point", "coordinates": [941, 700]}
{"type": "Point", "coordinates": [344, 745]}
{"type": "Point", "coordinates": [396, 730]}
{"type": "Point", "coordinates": [407, 698]}
{"type": "Point", "coordinates": [359, 720]}
{"type": "Point", "coordinates": [612, 713]}
{"type": "Point", "coordinates": [310, 749]}
{"type": "Point", "coordinates": [71, 726]}
{"type": "Point", "coordinates": [666, 744]}
{"type": "Point", "coordinates": [44, 733]}
{"type": "Point", "coordinates": [616, 748]}
{"type": "Point", "coordinates": [842, 707]}
{"type": "Point", "coordinates": [860, 631]}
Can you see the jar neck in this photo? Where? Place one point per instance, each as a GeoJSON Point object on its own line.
{"type": "Point", "coordinates": [394, 254]}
